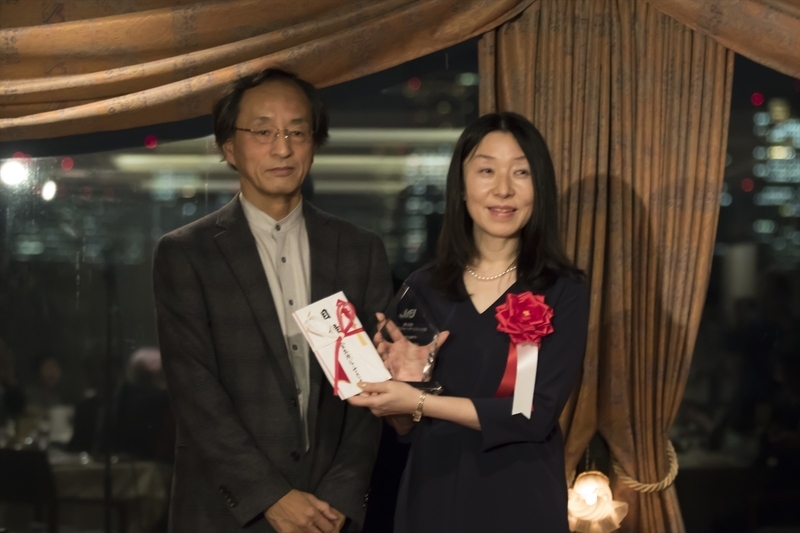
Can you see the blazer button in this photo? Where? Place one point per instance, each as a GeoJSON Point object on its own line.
{"type": "Point", "coordinates": [295, 456]}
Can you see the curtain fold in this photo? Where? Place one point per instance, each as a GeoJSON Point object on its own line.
{"type": "Point", "coordinates": [97, 70]}
{"type": "Point", "coordinates": [766, 31]}
{"type": "Point", "coordinates": [634, 106]}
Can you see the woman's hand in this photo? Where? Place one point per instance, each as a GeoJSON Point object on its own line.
{"type": "Point", "coordinates": [404, 359]}
{"type": "Point", "coordinates": [387, 398]}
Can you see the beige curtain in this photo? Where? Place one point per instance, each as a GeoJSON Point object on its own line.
{"type": "Point", "coordinates": [76, 66]}
{"type": "Point", "coordinates": [766, 31]}
{"type": "Point", "coordinates": [634, 106]}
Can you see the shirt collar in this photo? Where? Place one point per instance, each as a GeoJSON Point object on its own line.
{"type": "Point", "coordinates": [263, 222]}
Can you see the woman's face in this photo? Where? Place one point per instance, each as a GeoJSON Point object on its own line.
{"type": "Point", "coordinates": [498, 187]}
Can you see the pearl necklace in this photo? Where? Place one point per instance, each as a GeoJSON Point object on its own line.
{"type": "Point", "coordinates": [490, 278]}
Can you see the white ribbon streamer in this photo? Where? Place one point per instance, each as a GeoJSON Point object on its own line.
{"type": "Point", "coordinates": [527, 364]}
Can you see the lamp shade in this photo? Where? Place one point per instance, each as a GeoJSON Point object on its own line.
{"type": "Point", "coordinates": [591, 506]}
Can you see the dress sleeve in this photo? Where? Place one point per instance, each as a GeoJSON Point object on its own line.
{"type": "Point", "coordinates": [560, 361]}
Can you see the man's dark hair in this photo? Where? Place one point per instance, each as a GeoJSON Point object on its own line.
{"type": "Point", "coordinates": [541, 258]}
{"type": "Point", "coordinates": [226, 109]}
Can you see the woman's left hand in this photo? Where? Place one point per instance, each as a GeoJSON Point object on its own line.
{"type": "Point", "coordinates": [404, 359]}
{"type": "Point", "coordinates": [387, 398]}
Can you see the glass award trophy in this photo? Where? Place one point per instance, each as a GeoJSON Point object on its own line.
{"type": "Point", "coordinates": [408, 313]}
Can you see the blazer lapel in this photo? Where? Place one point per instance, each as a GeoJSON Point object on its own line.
{"type": "Point", "coordinates": [323, 242]}
{"type": "Point", "coordinates": [239, 248]}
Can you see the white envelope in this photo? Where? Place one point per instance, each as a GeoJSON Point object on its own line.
{"type": "Point", "coordinates": [324, 323]}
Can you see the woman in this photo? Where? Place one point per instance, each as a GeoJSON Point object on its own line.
{"type": "Point", "coordinates": [473, 466]}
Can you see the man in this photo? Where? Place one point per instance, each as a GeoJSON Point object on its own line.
{"type": "Point", "coordinates": [263, 444]}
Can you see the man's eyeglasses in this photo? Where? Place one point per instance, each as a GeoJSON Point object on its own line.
{"type": "Point", "coordinates": [268, 136]}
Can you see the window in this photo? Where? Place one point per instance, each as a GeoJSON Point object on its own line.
{"type": "Point", "coordinates": [738, 430]}
{"type": "Point", "coordinates": [77, 232]}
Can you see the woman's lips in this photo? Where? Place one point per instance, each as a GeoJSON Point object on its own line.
{"type": "Point", "coordinates": [502, 212]}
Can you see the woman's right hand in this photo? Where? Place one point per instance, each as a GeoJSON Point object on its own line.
{"type": "Point", "coordinates": [404, 359]}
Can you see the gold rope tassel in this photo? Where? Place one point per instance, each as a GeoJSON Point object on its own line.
{"type": "Point", "coordinates": [650, 487]}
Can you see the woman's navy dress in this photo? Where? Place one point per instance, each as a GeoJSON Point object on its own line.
{"type": "Point", "coordinates": [509, 477]}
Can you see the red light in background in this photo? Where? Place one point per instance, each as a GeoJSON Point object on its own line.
{"type": "Point", "coordinates": [67, 163]}
{"type": "Point", "coordinates": [757, 99]}
{"type": "Point", "coordinates": [747, 185]}
{"type": "Point", "coordinates": [86, 193]}
{"type": "Point", "coordinates": [18, 155]}
{"type": "Point", "coordinates": [414, 83]}
{"type": "Point", "coordinates": [150, 142]}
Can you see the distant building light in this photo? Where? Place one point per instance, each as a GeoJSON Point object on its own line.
{"type": "Point", "coordinates": [778, 109]}
{"type": "Point", "coordinates": [13, 173]}
{"type": "Point", "coordinates": [761, 119]}
{"type": "Point", "coordinates": [764, 226]}
{"type": "Point", "coordinates": [759, 152]}
{"type": "Point", "coordinates": [782, 132]}
{"type": "Point", "coordinates": [49, 190]}
{"type": "Point", "coordinates": [757, 99]}
{"type": "Point", "coordinates": [760, 131]}
{"type": "Point", "coordinates": [188, 209]}
{"type": "Point", "coordinates": [789, 210]}
{"type": "Point", "coordinates": [725, 199]}
{"type": "Point", "coordinates": [777, 135]}
{"type": "Point", "coordinates": [783, 170]}
{"type": "Point", "coordinates": [748, 185]}
{"type": "Point", "coordinates": [468, 79]}
{"type": "Point", "coordinates": [774, 196]}
{"type": "Point", "coordinates": [414, 83]}
{"type": "Point", "coordinates": [761, 170]}
{"type": "Point", "coordinates": [781, 152]}
{"type": "Point", "coordinates": [779, 244]}
{"type": "Point", "coordinates": [30, 247]}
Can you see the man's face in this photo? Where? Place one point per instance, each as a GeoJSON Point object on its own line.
{"type": "Point", "coordinates": [50, 373]}
{"type": "Point", "coordinates": [272, 167]}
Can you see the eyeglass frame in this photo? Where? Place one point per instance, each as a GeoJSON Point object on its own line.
{"type": "Point", "coordinates": [278, 132]}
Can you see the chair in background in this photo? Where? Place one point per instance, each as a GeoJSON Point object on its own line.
{"type": "Point", "coordinates": [26, 478]}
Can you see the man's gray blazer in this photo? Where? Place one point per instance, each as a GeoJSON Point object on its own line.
{"type": "Point", "coordinates": [240, 436]}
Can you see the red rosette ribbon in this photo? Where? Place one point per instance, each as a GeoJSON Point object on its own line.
{"type": "Point", "coordinates": [346, 317]}
{"type": "Point", "coordinates": [527, 319]}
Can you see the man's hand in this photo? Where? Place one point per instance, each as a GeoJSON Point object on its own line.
{"type": "Point", "coordinates": [301, 512]}
{"type": "Point", "coordinates": [340, 519]}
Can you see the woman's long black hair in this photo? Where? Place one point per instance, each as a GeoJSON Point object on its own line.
{"type": "Point", "coordinates": [541, 258]}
